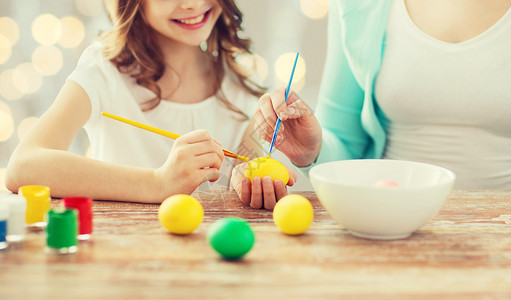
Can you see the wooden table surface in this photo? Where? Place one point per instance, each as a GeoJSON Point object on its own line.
{"type": "Point", "coordinates": [463, 253]}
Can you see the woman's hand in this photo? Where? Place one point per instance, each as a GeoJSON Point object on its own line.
{"type": "Point", "coordinates": [195, 158]}
{"type": "Point", "coordinates": [261, 192]}
{"type": "Point", "coordinates": [299, 136]}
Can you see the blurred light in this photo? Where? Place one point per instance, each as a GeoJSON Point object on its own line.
{"type": "Point", "coordinates": [25, 126]}
{"type": "Point", "coordinates": [6, 122]}
{"type": "Point", "coordinates": [314, 9]}
{"type": "Point", "coordinates": [3, 171]}
{"type": "Point", "coordinates": [2, 179]}
{"type": "Point", "coordinates": [5, 49]}
{"type": "Point", "coordinates": [7, 89]}
{"type": "Point", "coordinates": [261, 66]}
{"type": "Point", "coordinates": [242, 34]}
{"type": "Point", "coordinates": [47, 60]}
{"type": "Point", "coordinates": [47, 29]}
{"type": "Point", "coordinates": [254, 63]}
{"type": "Point", "coordinates": [88, 153]}
{"type": "Point", "coordinates": [9, 29]}
{"type": "Point", "coordinates": [284, 66]}
{"type": "Point", "coordinates": [89, 8]}
{"type": "Point", "coordinates": [73, 32]}
{"type": "Point", "coordinates": [26, 79]}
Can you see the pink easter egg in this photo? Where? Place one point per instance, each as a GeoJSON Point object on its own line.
{"type": "Point", "coordinates": [385, 183]}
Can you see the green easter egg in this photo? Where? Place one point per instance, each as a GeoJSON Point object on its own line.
{"type": "Point", "coordinates": [231, 237]}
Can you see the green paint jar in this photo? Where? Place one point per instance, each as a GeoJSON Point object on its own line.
{"type": "Point", "coordinates": [62, 231]}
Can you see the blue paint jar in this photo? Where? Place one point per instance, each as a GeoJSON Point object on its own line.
{"type": "Point", "coordinates": [4, 215]}
{"type": "Point", "coordinates": [16, 222]}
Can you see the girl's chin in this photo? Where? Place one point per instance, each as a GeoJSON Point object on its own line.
{"type": "Point", "coordinates": [194, 41]}
{"type": "Point", "coordinates": [186, 43]}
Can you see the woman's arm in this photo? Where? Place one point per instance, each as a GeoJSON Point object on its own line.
{"type": "Point", "coordinates": [340, 98]}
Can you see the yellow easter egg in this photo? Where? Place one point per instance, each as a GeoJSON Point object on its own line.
{"type": "Point", "coordinates": [180, 214]}
{"type": "Point", "coordinates": [266, 166]}
{"type": "Point", "coordinates": [293, 214]}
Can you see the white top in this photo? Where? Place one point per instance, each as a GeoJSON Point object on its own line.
{"type": "Point", "coordinates": [4, 212]}
{"type": "Point", "coordinates": [117, 93]}
{"type": "Point", "coordinates": [449, 104]}
{"type": "Point", "coordinates": [16, 202]}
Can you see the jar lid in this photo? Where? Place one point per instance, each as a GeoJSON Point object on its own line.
{"type": "Point", "coordinates": [17, 203]}
{"type": "Point", "coordinates": [34, 192]}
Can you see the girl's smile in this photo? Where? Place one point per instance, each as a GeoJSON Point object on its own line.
{"type": "Point", "coordinates": [182, 22]}
{"type": "Point", "coordinates": [194, 22]}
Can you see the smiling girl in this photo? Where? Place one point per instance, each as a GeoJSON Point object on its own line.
{"type": "Point", "coordinates": [167, 63]}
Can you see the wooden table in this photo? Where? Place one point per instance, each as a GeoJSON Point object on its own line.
{"type": "Point", "coordinates": [463, 253]}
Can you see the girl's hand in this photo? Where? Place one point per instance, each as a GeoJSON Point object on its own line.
{"type": "Point", "coordinates": [299, 136]}
{"type": "Point", "coordinates": [195, 158]}
{"type": "Point", "coordinates": [261, 192]}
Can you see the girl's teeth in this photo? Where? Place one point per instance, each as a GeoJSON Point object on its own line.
{"type": "Point", "coordinates": [192, 21]}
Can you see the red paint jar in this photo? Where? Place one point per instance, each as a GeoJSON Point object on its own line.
{"type": "Point", "coordinates": [84, 207]}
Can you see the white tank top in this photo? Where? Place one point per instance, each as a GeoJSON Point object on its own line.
{"type": "Point", "coordinates": [119, 94]}
{"type": "Point", "coordinates": [449, 104]}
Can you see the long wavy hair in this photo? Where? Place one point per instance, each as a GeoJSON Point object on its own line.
{"type": "Point", "coordinates": [129, 45]}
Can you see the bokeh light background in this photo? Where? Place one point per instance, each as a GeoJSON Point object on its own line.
{"type": "Point", "coordinates": [41, 41]}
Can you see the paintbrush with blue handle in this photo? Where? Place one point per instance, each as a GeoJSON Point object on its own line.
{"type": "Point", "coordinates": [277, 124]}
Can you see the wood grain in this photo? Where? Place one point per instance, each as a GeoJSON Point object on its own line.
{"type": "Point", "coordinates": [463, 253]}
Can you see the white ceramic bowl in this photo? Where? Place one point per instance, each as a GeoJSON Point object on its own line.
{"type": "Point", "coordinates": [347, 191]}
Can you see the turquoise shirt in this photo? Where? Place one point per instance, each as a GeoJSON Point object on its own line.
{"type": "Point", "coordinates": [352, 123]}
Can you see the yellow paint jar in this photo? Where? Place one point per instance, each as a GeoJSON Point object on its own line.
{"type": "Point", "coordinates": [38, 204]}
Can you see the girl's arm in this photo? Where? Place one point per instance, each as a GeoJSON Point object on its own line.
{"type": "Point", "coordinates": [42, 158]}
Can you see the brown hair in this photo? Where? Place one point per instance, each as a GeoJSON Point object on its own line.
{"type": "Point", "coordinates": [127, 47]}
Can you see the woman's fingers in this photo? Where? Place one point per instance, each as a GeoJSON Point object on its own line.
{"type": "Point", "coordinates": [246, 191]}
{"type": "Point", "coordinates": [293, 108]}
{"type": "Point", "coordinates": [292, 176]}
{"type": "Point", "coordinates": [240, 184]}
{"type": "Point", "coordinates": [278, 102]}
{"type": "Point", "coordinates": [280, 189]}
{"type": "Point", "coordinates": [268, 109]}
{"type": "Point", "coordinates": [264, 129]}
{"type": "Point", "coordinates": [261, 192]}
{"type": "Point", "coordinates": [298, 109]}
{"type": "Point", "coordinates": [268, 193]}
{"type": "Point", "coordinates": [256, 193]}
{"type": "Point", "coordinates": [273, 105]}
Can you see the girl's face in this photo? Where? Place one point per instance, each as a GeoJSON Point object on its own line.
{"type": "Point", "coordinates": [188, 22]}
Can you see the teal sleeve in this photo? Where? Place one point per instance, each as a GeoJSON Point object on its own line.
{"type": "Point", "coordinates": [340, 100]}
{"type": "Point", "coordinates": [345, 110]}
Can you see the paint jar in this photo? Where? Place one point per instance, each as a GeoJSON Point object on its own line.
{"type": "Point", "coordinates": [38, 204]}
{"type": "Point", "coordinates": [84, 207]}
{"type": "Point", "coordinates": [16, 221]}
{"type": "Point", "coordinates": [62, 231]}
{"type": "Point", "coordinates": [4, 215]}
